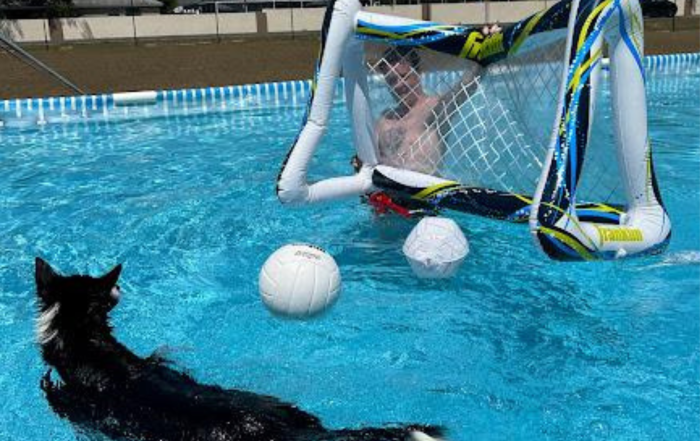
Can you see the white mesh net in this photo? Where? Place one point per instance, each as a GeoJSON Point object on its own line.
{"type": "Point", "coordinates": [482, 127]}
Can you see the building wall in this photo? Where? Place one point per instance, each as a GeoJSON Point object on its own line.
{"type": "Point", "coordinates": [26, 31]}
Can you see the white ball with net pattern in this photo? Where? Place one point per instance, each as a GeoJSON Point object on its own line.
{"type": "Point", "coordinates": [436, 248]}
{"type": "Point", "coordinates": [299, 281]}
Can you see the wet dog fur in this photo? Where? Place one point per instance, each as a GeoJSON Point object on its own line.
{"type": "Point", "coordinates": [105, 388]}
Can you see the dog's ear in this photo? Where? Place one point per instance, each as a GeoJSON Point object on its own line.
{"type": "Point", "coordinates": [110, 279]}
{"type": "Point", "coordinates": [44, 274]}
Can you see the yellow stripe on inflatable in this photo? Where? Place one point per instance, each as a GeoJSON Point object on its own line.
{"type": "Point", "coordinates": [526, 32]}
{"type": "Point", "coordinates": [606, 209]}
{"type": "Point", "coordinates": [380, 33]}
{"type": "Point", "coordinates": [573, 220]}
{"type": "Point", "coordinates": [400, 36]}
{"type": "Point", "coordinates": [582, 70]}
{"type": "Point", "coordinates": [589, 20]}
{"type": "Point", "coordinates": [570, 241]}
{"type": "Point", "coordinates": [523, 198]}
{"type": "Point", "coordinates": [434, 189]}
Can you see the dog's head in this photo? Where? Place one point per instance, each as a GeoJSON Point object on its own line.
{"type": "Point", "coordinates": [73, 302]}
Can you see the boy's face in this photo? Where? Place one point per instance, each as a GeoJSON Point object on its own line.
{"type": "Point", "coordinates": [401, 77]}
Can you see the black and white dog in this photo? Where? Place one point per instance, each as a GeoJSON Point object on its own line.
{"type": "Point", "coordinates": [105, 388]}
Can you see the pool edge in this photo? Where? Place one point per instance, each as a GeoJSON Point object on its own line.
{"type": "Point", "coordinates": [280, 89]}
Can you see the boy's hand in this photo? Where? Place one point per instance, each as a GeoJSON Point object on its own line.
{"type": "Point", "coordinates": [493, 29]}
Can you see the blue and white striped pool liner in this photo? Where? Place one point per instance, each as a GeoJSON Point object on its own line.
{"type": "Point", "coordinates": [280, 92]}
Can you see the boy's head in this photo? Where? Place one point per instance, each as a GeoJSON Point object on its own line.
{"type": "Point", "coordinates": [400, 67]}
{"type": "Point", "coordinates": [398, 55]}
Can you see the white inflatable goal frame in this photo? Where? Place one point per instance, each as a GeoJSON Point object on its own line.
{"type": "Point", "coordinates": [563, 228]}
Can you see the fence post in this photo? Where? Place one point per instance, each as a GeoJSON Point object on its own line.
{"type": "Point", "coordinates": [133, 22]}
{"type": "Point", "coordinates": [216, 18]}
{"type": "Point", "coordinates": [45, 25]}
{"type": "Point", "coordinates": [261, 22]}
{"type": "Point", "coordinates": [55, 30]}
{"type": "Point", "coordinates": [291, 15]}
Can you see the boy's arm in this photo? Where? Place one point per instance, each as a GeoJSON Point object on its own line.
{"type": "Point", "coordinates": [451, 100]}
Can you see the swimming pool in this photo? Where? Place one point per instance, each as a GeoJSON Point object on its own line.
{"type": "Point", "coordinates": [515, 347]}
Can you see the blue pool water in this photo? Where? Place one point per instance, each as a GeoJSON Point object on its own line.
{"type": "Point", "coordinates": [516, 347]}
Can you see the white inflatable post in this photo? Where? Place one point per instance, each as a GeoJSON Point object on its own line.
{"type": "Point", "coordinates": [645, 217]}
{"type": "Point", "coordinates": [340, 50]}
{"type": "Point", "coordinates": [292, 185]}
{"type": "Point", "coordinates": [645, 226]}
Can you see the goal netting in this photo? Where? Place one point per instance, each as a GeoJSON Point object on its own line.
{"type": "Point", "coordinates": [485, 127]}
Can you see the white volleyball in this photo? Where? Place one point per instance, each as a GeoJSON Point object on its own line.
{"type": "Point", "coordinates": [436, 248]}
{"type": "Point", "coordinates": [299, 281]}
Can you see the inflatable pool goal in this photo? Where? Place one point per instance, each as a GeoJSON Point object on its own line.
{"type": "Point", "coordinates": [514, 125]}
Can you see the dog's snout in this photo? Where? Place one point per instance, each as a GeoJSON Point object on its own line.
{"type": "Point", "coordinates": [115, 293]}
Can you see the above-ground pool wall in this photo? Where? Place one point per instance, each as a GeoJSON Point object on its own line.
{"type": "Point", "coordinates": [148, 104]}
{"type": "Point", "coordinates": [271, 21]}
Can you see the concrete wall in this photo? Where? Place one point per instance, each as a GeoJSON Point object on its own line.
{"type": "Point", "coordinates": [279, 20]}
{"type": "Point", "coordinates": [156, 26]}
{"type": "Point", "coordinates": [97, 28]}
{"type": "Point", "coordinates": [468, 13]}
{"type": "Point", "coordinates": [26, 31]}
{"type": "Point", "coordinates": [268, 21]}
{"type": "Point", "coordinates": [237, 24]}
{"type": "Point", "coordinates": [294, 20]}
{"type": "Point", "coordinates": [309, 19]}
{"type": "Point", "coordinates": [407, 11]}
{"type": "Point", "coordinates": [510, 12]}
{"type": "Point", "coordinates": [151, 26]}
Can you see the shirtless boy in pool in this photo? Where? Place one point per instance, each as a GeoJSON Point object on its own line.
{"type": "Point", "coordinates": [408, 135]}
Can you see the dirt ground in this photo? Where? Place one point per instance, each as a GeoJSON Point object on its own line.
{"type": "Point", "coordinates": [118, 67]}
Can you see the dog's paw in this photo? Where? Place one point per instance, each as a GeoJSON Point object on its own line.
{"type": "Point", "coordinates": [421, 436]}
